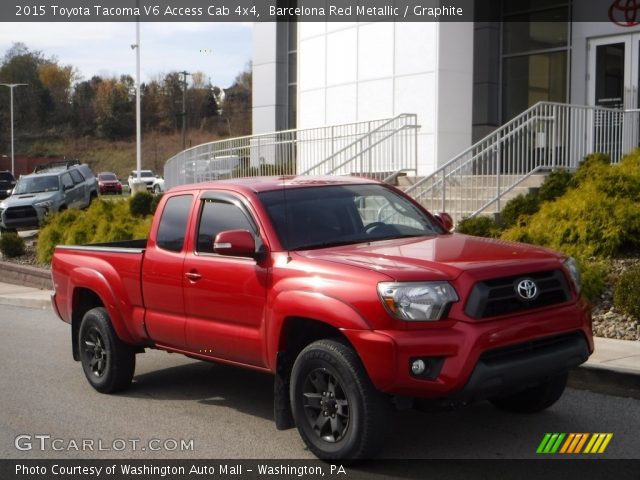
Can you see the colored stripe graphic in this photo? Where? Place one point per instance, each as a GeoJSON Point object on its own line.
{"type": "Point", "coordinates": [573, 443]}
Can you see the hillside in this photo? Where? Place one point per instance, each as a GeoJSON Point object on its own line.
{"type": "Point", "coordinates": [119, 156]}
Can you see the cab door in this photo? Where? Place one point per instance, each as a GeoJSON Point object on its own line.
{"type": "Point", "coordinates": [162, 274]}
{"type": "Point", "coordinates": [224, 296]}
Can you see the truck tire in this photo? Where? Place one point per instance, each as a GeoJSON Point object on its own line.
{"type": "Point", "coordinates": [108, 363]}
{"type": "Point", "coordinates": [534, 399]}
{"type": "Point", "coordinates": [338, 412]}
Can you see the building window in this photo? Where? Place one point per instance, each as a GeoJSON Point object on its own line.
{"type": "Point", "coordinates": [535, 54]}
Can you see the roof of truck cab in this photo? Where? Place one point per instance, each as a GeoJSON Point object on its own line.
{"type": "Point", "coordinates": [266, 184]}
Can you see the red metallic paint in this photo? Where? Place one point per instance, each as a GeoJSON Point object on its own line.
{"type": "Point", "coordinates": [233, 309]}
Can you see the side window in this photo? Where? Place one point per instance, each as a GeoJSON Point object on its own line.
{"type": "Point", "coordinates": [76, 176]}
{"type": "Point", "coordinates": [216, 217]}
{"type": "Point", "coordinates": [173, 223]}
{"type": "Point", "coordinates": [67, 182]}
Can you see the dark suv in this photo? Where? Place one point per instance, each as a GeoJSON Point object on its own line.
{"type": "Point", "coordinates": [50, 189]}
{"type": "Point", "coordinates": [7, 182]}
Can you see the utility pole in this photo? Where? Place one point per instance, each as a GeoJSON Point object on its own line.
{"type": "Point", "coordinates": [184, 109]}
{"type": "Point", "coordinates": [11, 87]}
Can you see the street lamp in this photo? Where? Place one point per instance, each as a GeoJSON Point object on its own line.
{"type": "Point", "coordinates": [11, 87]}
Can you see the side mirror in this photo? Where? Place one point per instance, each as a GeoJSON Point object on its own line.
{"type": "Point", "coordinates": [445, 220]}
{"type": "Point", "coordinates": [235, 243]}
{"type": "Point", "coordinates": [68, 187]}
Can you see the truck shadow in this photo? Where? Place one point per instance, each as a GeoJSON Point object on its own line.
{"type": "Point", "coordinates": [456, 434]}
{"type": "Point", "coordinates": [247, 391]}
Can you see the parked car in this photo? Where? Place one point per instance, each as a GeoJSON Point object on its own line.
{"type": "Point", "coordinates": [7, 182]}
{"type": "Point", "coordinates": [50, 189]}
{"type": "Point", "coordinates": [346, 290]}
{"type": "Point", "coordinates": [108, 183]}
{"type": "Point", "coordinates": [149, 178]}
{"type": "Point", "coordinates": [158, 185]}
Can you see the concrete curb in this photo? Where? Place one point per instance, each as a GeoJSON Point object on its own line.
{"type": "Point", "coordinates": [25, 275]}
{"type": "Point", "coordinates": [607, 380]}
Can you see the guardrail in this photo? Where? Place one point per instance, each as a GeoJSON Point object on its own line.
{"type": "Point", "coordinates": [376, 148]}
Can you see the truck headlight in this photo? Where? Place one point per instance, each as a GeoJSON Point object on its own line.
{"type": "Point", "coordinates": [574, 272]}
{"type": "Point", "coordinates": [417, 301]}
{"type": "Point", "coordinates": [45, 204]}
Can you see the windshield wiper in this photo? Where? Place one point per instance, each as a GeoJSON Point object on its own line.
{"type": "Point", "coordinates": [313, 246]}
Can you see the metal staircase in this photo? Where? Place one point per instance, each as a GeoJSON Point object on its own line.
{"type": "Point", "coordinates": [544, 137]}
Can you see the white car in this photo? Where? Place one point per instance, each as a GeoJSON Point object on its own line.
{"type": "Point", "coordinates": [153, 182]}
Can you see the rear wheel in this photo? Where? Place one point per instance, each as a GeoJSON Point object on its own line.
{"type": "Point", "coordinates": [338, 412]}
{"type": "Point", "coordinates": [108, 363]}
{"type": "Point", "coordinates": [534, 399]}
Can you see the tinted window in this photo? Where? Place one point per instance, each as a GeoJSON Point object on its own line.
{"type": "Point", "coordinates": [107, 176]}
{"type": "Point", "coordinates": [217, 217]}
{"type": "Point", "coordinates": [173, 223]}
{"type": "Point", "coordinates": [77, 177]}
{"type": "Point", "coordinates": [6, 176]}
{"type": "Point", "coordinates": [67, 181]}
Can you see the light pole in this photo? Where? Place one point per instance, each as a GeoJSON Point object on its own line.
{"type": "Point", "coordinates": [11, 87]}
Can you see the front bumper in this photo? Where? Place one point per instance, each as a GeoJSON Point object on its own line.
{"type": "Point", "coordinates": [478, 359]}
{"type": "Point", "coordinates": [22, 217]}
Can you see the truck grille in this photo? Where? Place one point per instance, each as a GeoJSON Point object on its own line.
{"type": "Point", "coordinates": [21, 213]}
{"type": "Point", "coordinates": [500, 296]}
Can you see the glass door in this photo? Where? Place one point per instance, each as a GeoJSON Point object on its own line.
{"type": "Point", "coordinates": [613, 84]}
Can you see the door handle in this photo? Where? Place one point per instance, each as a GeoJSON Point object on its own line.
{"type": "Point", "coordinates": [193, 276]}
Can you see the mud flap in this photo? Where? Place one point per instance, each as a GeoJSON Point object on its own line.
{"type": "Point", "coordinates": [281, 400]}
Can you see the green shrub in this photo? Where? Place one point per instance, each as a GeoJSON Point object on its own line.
{"type": "Point", "coordinates": [598, 217]}
{"type": "Point", "coordinates": [594, 276]}
{"type": "Point", "coordinates": [140, 204]}
{"type": "Point", "coordinates": [518, 207]}
{"type": "Point", "coordinates": [590, 167]}
{"type": "Point", "coordinates": [11, 245]}
{"type": "Point", "coordinates": [554, 186]}
{"type": "Point", "coordinates": [480, 226]}
{"type": "Point", "coordinates": [155, 202]}
{"type": "Point", "coordinates": [626, 293]}
{"type": "Point", "coordinates": [104, 221]}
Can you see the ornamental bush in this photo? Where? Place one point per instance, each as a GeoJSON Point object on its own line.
{"type": "Point", "coordinates": [104, 221]}
{"type": "Point", "coordinates": [140, 204]}
{"type": "Point", "coordinates": [626, 289]}
{"type": "Point", "coordinates": [11, 245]}
{"type": "Point", "coordinates": [480, 226]}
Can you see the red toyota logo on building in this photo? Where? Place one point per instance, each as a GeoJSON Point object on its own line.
{"type": "Point", "coordinates": [625, 13]}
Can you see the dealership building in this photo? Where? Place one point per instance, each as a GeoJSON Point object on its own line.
{"type": "Point", "coordinates": [462, 80]}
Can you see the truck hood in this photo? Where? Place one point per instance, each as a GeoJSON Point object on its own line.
{"type": "Point", "coordinates": [28, 199]}
{"type": "Point", "coordinates": [443, 257]}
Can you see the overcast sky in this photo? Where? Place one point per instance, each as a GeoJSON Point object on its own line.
{"type": "Point", "coordinates": [220, 50]}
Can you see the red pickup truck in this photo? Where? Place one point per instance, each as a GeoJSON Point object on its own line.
{"type": "Point", "coordinates": [351, 294]}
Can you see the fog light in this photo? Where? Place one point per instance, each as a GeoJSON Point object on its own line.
{"type": "Point", "coordinates": [418, 367]}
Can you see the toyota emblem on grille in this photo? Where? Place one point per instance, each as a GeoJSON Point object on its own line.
{"type": "Point", "coordinates": [527, 289]}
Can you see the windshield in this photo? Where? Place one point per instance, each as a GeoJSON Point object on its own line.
{"type": "Point", "coordinates": [143, 173]}
{"type": "Point", "coordinates": [107, 176]}
{"type": "Point", "coordinates": [319, 217]}
{"type": "Point", "coordinates": [36, 185]}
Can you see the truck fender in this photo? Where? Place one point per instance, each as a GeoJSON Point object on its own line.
{"type": "Point", "coordinates": [111, 293]}
{"type": "Point", "coordinates": [311, 305]}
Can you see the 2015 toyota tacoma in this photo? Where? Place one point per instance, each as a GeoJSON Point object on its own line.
{"type": "Point", "coordinates": [346, 290]}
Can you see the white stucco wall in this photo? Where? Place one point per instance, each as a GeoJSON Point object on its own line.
{"type": "Point", "coordinates": [352, 72]}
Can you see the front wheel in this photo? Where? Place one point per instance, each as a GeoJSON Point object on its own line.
{"type": "Point", "coordinates": [108, 363]}
{"type": "Point", "coordinates": [534, 399]}
{"type": "Point", "coordinates": [338, 412]}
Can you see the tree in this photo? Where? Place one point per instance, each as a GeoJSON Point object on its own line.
{"type": "Point", "coordinates": [114, 109]}
{"type": "Point", "coordinates": [237, 104]}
